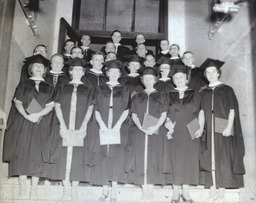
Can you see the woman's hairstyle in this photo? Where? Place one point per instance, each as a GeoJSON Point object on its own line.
{"type": "Point", "coordinates": [59, 55]}
{"type": "Point", "coordinates": [30, 66]}
{"type": "Point", "coordinates": [70, 69]}
{"type": "Point", "coordinates": [115, 31]}
{"type": "Point", "coordinates": [77, 47]}
{"type": "Point", "coordinates": [218, 70]}
{"type": "Point", "coordinates": [39, 45]}
{"type": "Point", "coordinates": [176, 46]}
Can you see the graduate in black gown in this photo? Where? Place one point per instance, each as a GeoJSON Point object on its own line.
{"type": "Point", "coordinates": [56, 76]}
{"type": "Point", "coordinates": [95, 75]}
{"type": "Point", "coordinates": [120, 50]}
{"type": "Point", "coordinates": [112, 102]}
{"type": "Point", "coordinates": [222, 147]}
{"type": "Point", "coordinates": [164, 45]}
{"type": "Point", "coordinates": [68, 45]}
{"type": "Point", "coordinates": [165, 83]}
{"type": "Point", "coordinates": [39, 49]}
{"type": "Point", "coordinates": [175, 56]}
{"type": "Point", "coordinates": [196, 76]}
{"type": "Point", "coordinates": [74, 107]}
{"type": "Point", "coordinates": [139, 39]}
{"type": "Point", "coordinates": [26, 145]}
{"type": "Point", "coordinates": [132, 77]}
{"type": "Point", "coordinates": [85, 45]}
{"type": "Point", "coordinates": [146, 144]}
{"type": "Point", "coordinates": [183, 108]}
{"type": "Point", "coordinates": [150, 60]}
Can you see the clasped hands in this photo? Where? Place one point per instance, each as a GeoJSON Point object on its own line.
{"type": "Point", "coordinates": [149, 131]}
{"type": "Point", "coordinates": [170, 126]}
{"type": "Point", "coordinates": [81, 132]}
{"type": "Point", "coordinates": [34, 117]}
{"type": "Point", "coordinates": [103, 127]}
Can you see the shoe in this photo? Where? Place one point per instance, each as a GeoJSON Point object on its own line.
{"type": "Point", "coordinates": [112, 199]}
{"type": "Point", "coordinates": [33, 192]}
{"type": "Point", "coordinates": [103, 198]}
{"type": "Point", "coordinates": [186, 200]}
{"type": "Point", "coordinates": [176, 200]}
{"type": "Point", "coordinates": [74, 193]}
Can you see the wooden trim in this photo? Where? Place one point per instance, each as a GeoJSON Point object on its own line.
{"type": "Point", "coordinates": [76, 14]}
{"type": "Point", "coordinates": [66, 29]}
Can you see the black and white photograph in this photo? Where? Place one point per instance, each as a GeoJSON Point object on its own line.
{"type": "Point", "coordinates": [128, 101]}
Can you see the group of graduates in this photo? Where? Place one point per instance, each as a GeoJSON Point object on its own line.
{"type": "Point", "coordinates": [121, 116]}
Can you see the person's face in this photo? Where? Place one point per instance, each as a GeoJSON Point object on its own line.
{"type": "Point", "coordinates": [110, 47]}
{"type": "Point", "coordinates": [150, 61]}
{"type": "Point", "coordinates": [86, 40]}
{"type": "Point", "coordinates": [148, 80]}
{"type": "Point", "coordinates": [77, 72]}
{"type": "Point", "coordinates": [134, 66]}
{"type": "Point", "coordinates": [212, 74]}
{"type": "Point", "coordinates": [140, 39]}
{"type": "Point", "coordinates": [180, 79]}
{"type": "Point", "coordinates": [41, 50]}
{"type": "Point", "coordinates": [188, 59]}
{"type": "Point", "coordinates": [164, 44]}
{"type": "Point", "coordinates": [141, 50]}
{"type": "Point", "coordinates": [116, 37]}
{"type": "Point", "coordinates": [57, 63]}
{"type": "Point", "coordinates": [38, 70]}
{"type": "Point", "coordinates": [68, 46]}
{"type": "Point", "coordinates": [174, 50]}
{"type": "Point", "coordinates": [164, 69]}
{"type": "Point", "coordinates": [76, 52]}
{"type": "Point", "coordinates": [113, 74]}
{"type": "Point", "coordinates": [97, 61]}
{"type": "Point", "coordinates": [110, 56]}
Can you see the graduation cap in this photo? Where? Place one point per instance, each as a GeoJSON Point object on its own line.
{"type": "Point", "coordinates": [112, 64]}
{"type": "Point", "coordinates": [180, 68]}
{"type": "Point", "coordinates": [212, 62]}
{"type": "Point", "coordinates": [148, 71]}
{"type": "Point", "coordinates": [76, 62]}
{"type": "Point", "coordinates": [37, 59]}
{"type": "Point", "coordinates": [164, 60]}
{"type": "Point", "coordinates": [133, 58]}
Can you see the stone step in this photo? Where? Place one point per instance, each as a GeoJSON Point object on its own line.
{"type": "Point", "coordinates": [125, 193]}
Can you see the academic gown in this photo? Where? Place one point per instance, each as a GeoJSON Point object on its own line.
{"type": "Point", "coordinates": [197, 79]}
{"type": "Point", "coordinates": [88, 54]}
{"type": "Point", "coordinates": [158, 56]}
{"type": "Point", "coordinates": [24, 75]}
{"type": "Point", "coordinates": [95, 79]}
{"type": "Point", "coordinates": [157, 170]}
{"type": "Point", "coordinates": [184, 150]}
{"type": "Point", "coordinates": [229, 151]}
{"type": "Point", "coordinates": [62, 79]}
{"type": "Point", "coordinates": [133, 83]}
{"type": "Point", "coordinates": [79, 170]}
{"type": "Point", "coordinates": [26, 145]}
{"type": "Point", "coordinates": [164, 86]}
{"type": "Point", "coordinates": [109, 159]}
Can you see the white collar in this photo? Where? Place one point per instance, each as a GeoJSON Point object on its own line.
{"type": "Point", "coordinates": [182, 88]}
{"type": "Point", "coordinates": [118, 44]}
{"type": "Point", "coordinates": [36, 78]}
{"type": "Point", "coordinates": [96, 71]}
{"type": "Point", "coordinates": [165, 52]}
{"type": "Point", "coordinates": [56, 72]}
{"type": "Point", "coordinates": [174, 57]}
{"type": "Point", "coordinates": [215, 84]}
{"type": "Point", "coordinates": [83, 47]}
{"type": "Point", "coordinates": [112, 85]}
{"type": "Point", "coordinates": [165, 79]}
